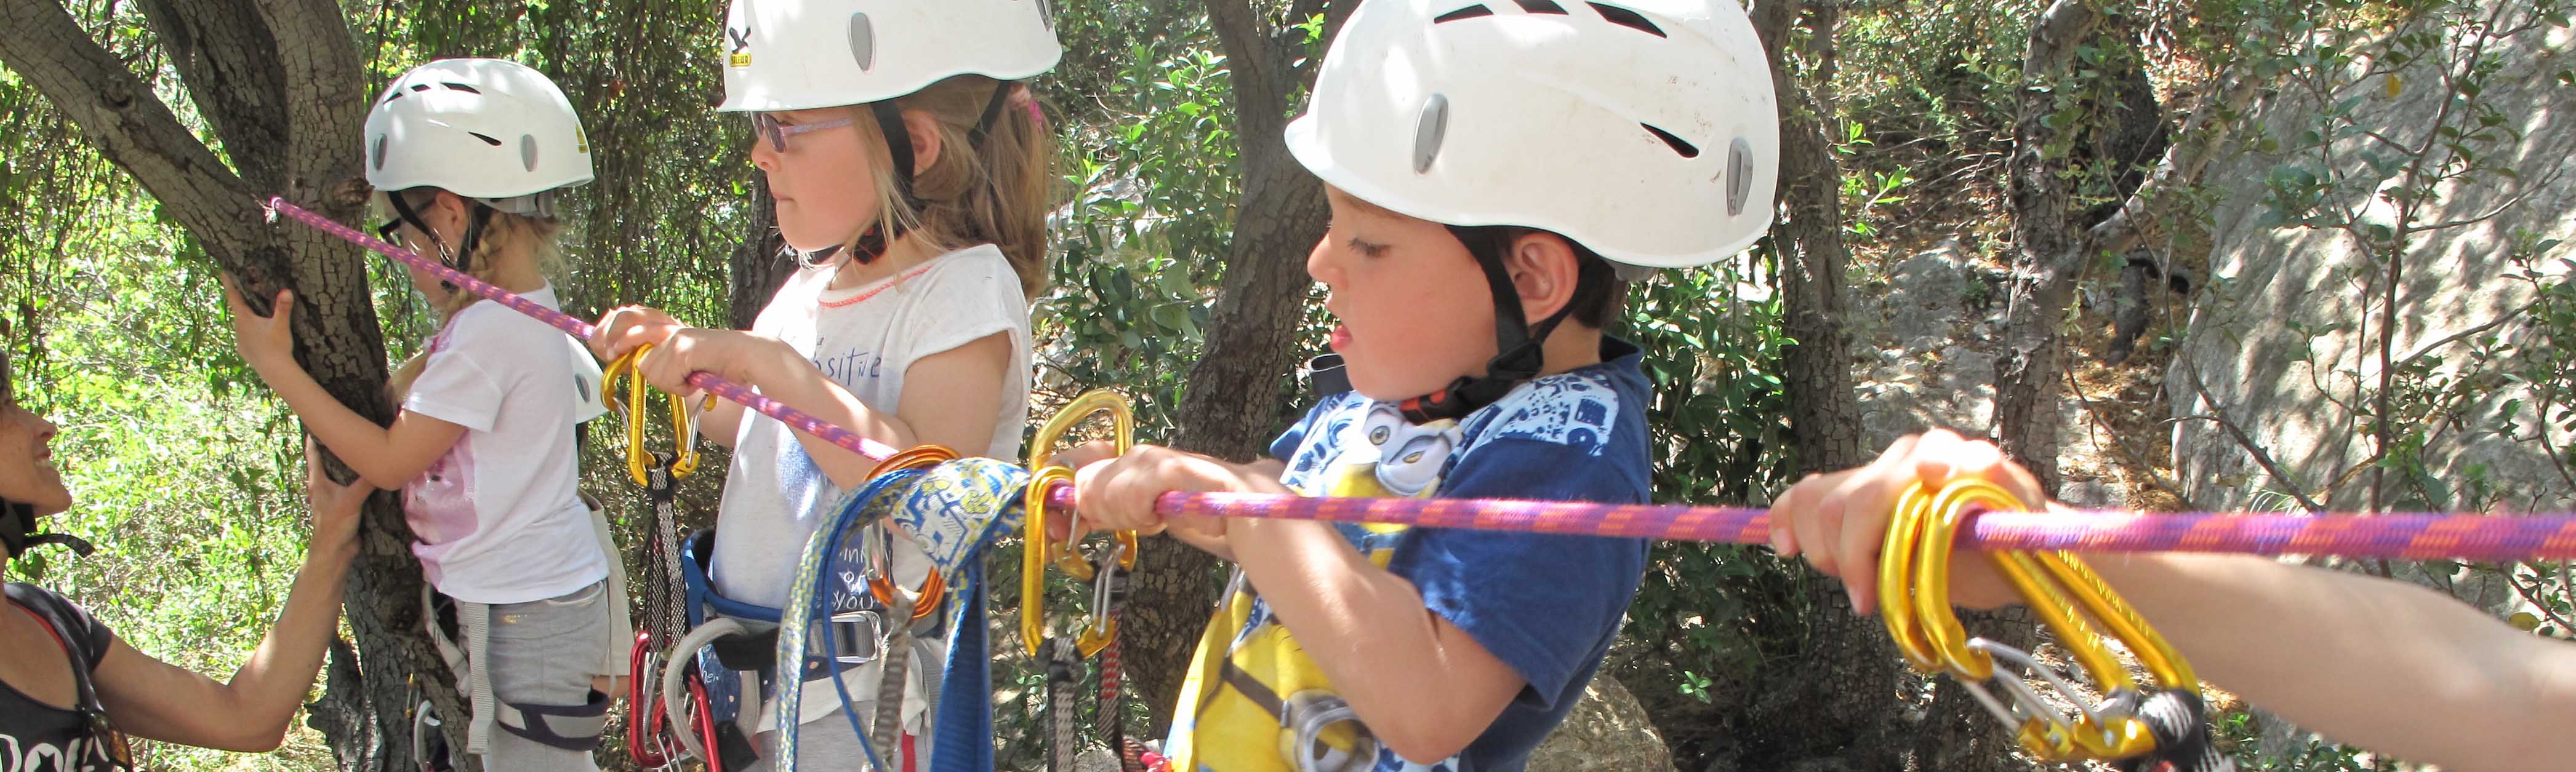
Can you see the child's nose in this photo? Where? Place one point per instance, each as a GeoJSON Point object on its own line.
{"type": "Point", "coordinates": [1319, 262]}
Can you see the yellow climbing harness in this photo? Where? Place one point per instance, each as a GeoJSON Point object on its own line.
{"type": "Point", "coordinates": [1914, 581]}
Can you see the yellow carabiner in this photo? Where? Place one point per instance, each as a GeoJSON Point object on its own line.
{"type": "Point", "coordinates": [1033, 554]}
{"type": "Point", "coordinates": [1037, 552]}
{"type": "Point", "coordinates": [2057, 586]}
{"type": "Point", "coordinates": [1947, 638]}
{"type": "Point", "coordinates": [1895, 582]}
{"type": "Point", "coordinates": [684, 422]}
{"type": "Point", "coordinates": [2162, 661]}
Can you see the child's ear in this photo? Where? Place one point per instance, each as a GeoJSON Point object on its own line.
{"type": "Point", "coordinates": [925, 139]}
{"type": "Point", "coordinates": [1543, 268]}
{"type": "Point", "coordinates": [447, 211]}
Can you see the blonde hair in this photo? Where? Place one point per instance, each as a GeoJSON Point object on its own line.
{"type": "Point", "coordinates": [998, 193]}
{"type": "Point", "coordinates": [505, 237]}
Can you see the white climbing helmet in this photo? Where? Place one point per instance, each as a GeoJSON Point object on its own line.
{"type": "Point", "coordinates": [1644, 130]}
{"type": "Point", "coordinates": [488, 129]}
{"type": "Point", "coordinates": [804, 54]}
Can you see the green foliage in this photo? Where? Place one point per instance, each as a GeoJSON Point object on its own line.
{"type": "Point", "coordinates": [1712, 352]}
{"type": "Point", "coordinates": [1152, 164]}
{"type": "Point", "coordinates": [2428, 411]}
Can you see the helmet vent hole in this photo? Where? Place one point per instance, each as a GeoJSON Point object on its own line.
{"type": "Point", "coordinates": [1542, 6]}
{"type": "Point", "coordinates": [420, 87]}
{"type": "Point", "coordinates": [1428, 131]}
{"type": "Point", "coordinates": [1469, 12]}
{"type": "Point", "coordinates": [487, 138]}
{"type": "Point", "coordinates": [1739, 175]}
{"type": "Point", "coordinates": [1627, 18]}
{"type": "Point", "coordinates": [528, 151]}
{"type": "Point", "coordinates": [863, 41]}
{"type": "Point", "coordinates": [462, 87]}
{"type": "Point", "coordinates": [1685, 148]}
{"type": "Point", "coordinates": [379, 154]}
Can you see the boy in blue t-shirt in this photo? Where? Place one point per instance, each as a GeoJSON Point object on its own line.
{"type": "Point", "coordinates": [1487, 164]}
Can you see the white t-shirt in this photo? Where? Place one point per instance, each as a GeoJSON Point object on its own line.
{"type": "Point", "coordinates": [863, 338]}
{"type": "Point", "coordinates": [500, 517]}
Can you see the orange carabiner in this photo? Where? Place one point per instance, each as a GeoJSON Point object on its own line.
{"type": "Point", "coordinates": [934, 588]}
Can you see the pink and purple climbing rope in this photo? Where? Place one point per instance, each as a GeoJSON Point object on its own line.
{"type": "Point", "coordinates": [2405, 536]}
{"type": "Point", "coordinates": [580, 329]}
{"type": "Point", "coordinates": [2415, 536]}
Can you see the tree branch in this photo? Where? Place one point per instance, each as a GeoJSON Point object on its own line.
{"type": "Point", "coordinates": [228, 59]}
{"type": "Point", "coordinates": [1259, 90]}
{"type": "Point", "coordinates": [131, 127]}
{"type": "Point", "coordinates": [2054, 36]}
{"type": "Point", "coordinates": [323, 93]}
{"type": "Point", "coordinates": [2184, 162]}
{"type": "Point", "coordinates": [2219, 415]}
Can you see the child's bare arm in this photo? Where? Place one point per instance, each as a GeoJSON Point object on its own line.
{"type": "Point", "coordinates": [387, 456]}
{"type": "Point", "coordinates": [1424, 687]}
{"type": "Point", "coordinates": [2395, 667]}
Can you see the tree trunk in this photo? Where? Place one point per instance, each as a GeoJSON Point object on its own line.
{"type": "Point", "coordinates": [1232, 403]}
{"type": "Point", "coordinates": [1838, 697]}
{"type": "Point", "coordinates": [2048, 253]}
{"type": "Point", "coordinates": [760, 263]}
{"type": "Point", "coordinates": [278, 81]}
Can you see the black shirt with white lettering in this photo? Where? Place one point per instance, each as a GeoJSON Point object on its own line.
{"type": "Point", "coordinates": [36, 736]}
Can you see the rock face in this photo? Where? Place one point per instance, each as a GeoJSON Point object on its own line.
{"type": "Point", "coordinates": [1923, 347]}
{"type": "Point", "coordinates": [2285, 335]}
{"type": "Point", "coordinates": [1606, 732]}
{"type": "Point", "coordinates": [2278, 337]}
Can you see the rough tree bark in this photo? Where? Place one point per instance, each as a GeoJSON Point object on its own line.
{"type": "Point", "coordinates": [1233, 398]}
{"type": "Point", "coordinates": [278, 82]}
{"type": "Point", "coordinates": [759, 263]}
{"type": "Point", "coordinates": [1837, 699]}
{"type": "Point", "coordinates": [2052, 241]}
{"type": "Point", "coordinates": [2049, 254]}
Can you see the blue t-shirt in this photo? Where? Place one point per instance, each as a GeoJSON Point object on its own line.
{"type": "Point", "coordinates": [1548, 606]}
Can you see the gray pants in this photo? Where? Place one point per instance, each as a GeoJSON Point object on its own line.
{"type": "Point", "coordinates": [826, 745]}
{"type": "Point", "coordinates": [545, 652]}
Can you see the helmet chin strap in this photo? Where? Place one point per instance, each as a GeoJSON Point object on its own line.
{"type": "Point", "coordinates": [871, 245]}
{"type": "Point", "coordinates": [1518, 352]}
{"type": "Point", "coordinates": [463, 258]}
{"type": "Point", "coordinates": [18, 531]}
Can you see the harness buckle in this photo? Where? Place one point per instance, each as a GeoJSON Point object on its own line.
{"type": "Point", "coordinates": [858, 636]}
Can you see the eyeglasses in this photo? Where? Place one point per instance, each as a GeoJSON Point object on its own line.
{"type": "Point", "coordinates": [767, 125]}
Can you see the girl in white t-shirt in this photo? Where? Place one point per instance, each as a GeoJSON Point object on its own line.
{"type": "Point", "coordinates": [466, 156]}
{"type": "Point", "coordinates": [911, 171]}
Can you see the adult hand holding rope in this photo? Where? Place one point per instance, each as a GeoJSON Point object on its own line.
{"type": "Point", "coordinates": [2397, 668]}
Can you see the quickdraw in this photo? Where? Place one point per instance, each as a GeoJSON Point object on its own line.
{"type": "Point", "coordinates": [649, 739]}
{"type": "Point", "coordinates": [954, 508]}
{"type": "Point", "coordinates": [1106, 571]}
{"type": "Point", "coordinates": [1914, 576]}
